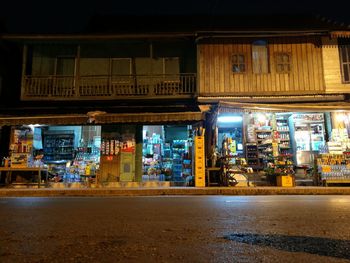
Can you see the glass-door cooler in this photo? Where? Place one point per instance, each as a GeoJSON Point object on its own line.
{"type": "Point", "coordinates": [307, 133]}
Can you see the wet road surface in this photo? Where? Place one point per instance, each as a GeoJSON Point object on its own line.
{"type": "Point", "coordinates": [176, 229]}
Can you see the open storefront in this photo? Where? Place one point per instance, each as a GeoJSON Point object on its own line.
{"type": "Point", "coordinates": [68, 154]}
{"type": "Point", "coordinates": [280, 141]}
{"type": "Point", "coordinates": [106, 154]}
{"type": "Point", "coordinates": [167, 153]}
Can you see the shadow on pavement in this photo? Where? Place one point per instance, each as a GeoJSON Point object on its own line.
{"type": "Point", "coordinates": [313, 245]}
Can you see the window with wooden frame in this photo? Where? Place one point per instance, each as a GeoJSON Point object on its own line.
{"type": "Point", "coordinates": [260, 57]}
{"type": "Point", "coordinates": [238, 62]}
{"type": "Point", "coordinates": [283, 62]}
{"type": "Point", "coordinates": [344, 51]}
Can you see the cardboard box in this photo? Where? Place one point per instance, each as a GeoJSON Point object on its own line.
{"type": "Point", "coordinates": [19, 160]}
{"type": "Point", "coordinates": [285, 180]}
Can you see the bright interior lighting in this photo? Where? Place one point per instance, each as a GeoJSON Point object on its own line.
{"type": "Point", "coordinates": [32, 126]}
{"type": "Point", "coordinates": [261, 118]}
{"type": "Point", "coordinates": [227, 119]}
{"type": "Point", "coordinates": [340, 117]}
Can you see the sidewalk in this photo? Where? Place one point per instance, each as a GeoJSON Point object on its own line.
{"type": "Point", "coordinates": [49, 192]}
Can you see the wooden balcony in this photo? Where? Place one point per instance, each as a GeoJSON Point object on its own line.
{"type": "Point", "coordinates": [108, 87]}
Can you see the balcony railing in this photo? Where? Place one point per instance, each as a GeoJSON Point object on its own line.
{"type": "Point", "coordinates": [108, 87]}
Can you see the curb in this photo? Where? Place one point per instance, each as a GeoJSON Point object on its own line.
{"type": "Point", "coordinates": [175, 191]}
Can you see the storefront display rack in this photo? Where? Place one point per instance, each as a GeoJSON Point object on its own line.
{"type": "Point", "coordinates": [264, 145]}
{"type": "Point", "coordinates": [252, 155]}
{"type": "Point", "coordinates": [282, 128]}
{"type": "Point", "coordinates": [334, 168]}
{"type": "Point", "coordinates": [58, 146]}
{"type": "Point", "coordinates": [283, 164]}
{"type": "Point", "coordinates": [178, 150]}
{"type": "Point", "coordinates": [278, 167]}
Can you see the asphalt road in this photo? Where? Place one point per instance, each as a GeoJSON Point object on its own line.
{"type": "Point", "coordinates": [176, 229]}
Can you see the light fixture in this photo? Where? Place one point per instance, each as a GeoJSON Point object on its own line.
{"type": "Point", "coordinates": [340, 117]}
{"type": "Point", "coordinates": [261, 117]}
{"type": "Point", "coordinates": [229, 119]}
{"type": "Point", "coordinates": [33, 126]}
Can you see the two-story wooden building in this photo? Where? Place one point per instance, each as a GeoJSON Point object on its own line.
{"type": "Point", "coordinates": [278, 87]}
{"type": "Point", "coordinates": [116, 99]}
{"type": "Point", "coordinates": [126, 101]}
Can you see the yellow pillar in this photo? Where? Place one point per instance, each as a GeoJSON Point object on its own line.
{"type": "Point", "coordinates": [199, 161]}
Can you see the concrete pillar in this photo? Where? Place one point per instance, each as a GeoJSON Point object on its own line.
{"type": "Point", "coordinates": [138, 153]}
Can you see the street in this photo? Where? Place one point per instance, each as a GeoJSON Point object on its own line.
{"type": "Point", "coordinates": [175, 229]}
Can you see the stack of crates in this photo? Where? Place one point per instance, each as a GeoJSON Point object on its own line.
{"type": "Point", "coordinates": [199, 164]}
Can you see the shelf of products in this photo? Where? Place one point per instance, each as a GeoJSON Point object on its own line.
{"type": "Point", "coordinates": [186, 165]}
{"type": "Point", "coordinates": [252, 155]}
{"type": "Point", "coordinates": [282, 128]}
{"type": "Point", "coordinates": [58, 146]}
{"type": "Point", "coordinates": [264, 146]}
{"type": "Point", "coordinates": [334, 168]}
{"type": "Point", "coordinates": [179, 148]}
{"type": "Point", "coordinates": [152, 152]}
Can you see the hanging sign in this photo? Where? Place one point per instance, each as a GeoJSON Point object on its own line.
{"type": "Point", "coordinates": [310, 117]}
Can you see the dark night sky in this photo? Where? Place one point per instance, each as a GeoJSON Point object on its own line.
{"type": "Point", "coordinates": [72, 16]}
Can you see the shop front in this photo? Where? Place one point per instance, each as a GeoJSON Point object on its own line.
{"type": "Point", "coordinates": [103, 153]}
{"type": "Point", "coordinates": [67, 155]}
{"type": "Point", "coordinates": [167, 153]}
{"type": "Point", "coordinates": [277, 141]}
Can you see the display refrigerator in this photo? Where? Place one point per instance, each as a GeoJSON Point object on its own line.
{"type": "Point", "coordinates": [308, 136]}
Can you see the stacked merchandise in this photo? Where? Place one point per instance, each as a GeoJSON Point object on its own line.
{"type": "Point", "coordinates": [179, 149]}
{"type": "Point", "coordinates": [334, 167]}
{"type": "Point", "coordinates": [339, 142]}
{"type": "Point", "coordinates": [110, 146]}
{"type": "Point", "coordinates": [152, 158]}
{"type": "Point", "coordinates": [282, 128]}
{"type": "Point", "coordinates": [58, 146]}
{"type": "Point", "coordinates": [21, 148]}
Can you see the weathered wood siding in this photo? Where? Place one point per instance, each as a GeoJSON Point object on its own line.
{"type": "Point", "coordinates": [331, 65]}
{"type": "Point", "coordinates": [216, 76]}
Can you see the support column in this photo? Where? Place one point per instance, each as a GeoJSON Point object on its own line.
{"type": "Point", "coordinates": [138, 153]}
{"type": "Point", "coordinates": [24, 69]}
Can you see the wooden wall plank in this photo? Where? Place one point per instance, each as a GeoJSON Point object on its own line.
{"type": "Point", "coordinates": [230, 76]}
{"type": "Point", "coordinates": [211, 70]}
{"type": "Point", "coordinates": [221, 68]}
{"type": "Point", "coordinates": [247, 80]}
{"type": "Point", "coordinates": [319, 70]}
{"type": "Point", "coordinates": [310, 65]}
{"type": "Point", "coordinates": [303, 58]}
{"type": "Point", "coordinates": [290, 84]}
{"type": "Point", "coordinates": [295, 65]}
{"type": "Point", "coordinates": [207, 68]}
{"type": "Point", "coordinates": [273, 78]}
{"type": "Point", "coordinates": [227, 67]}
{"type": "Point", "coordinates": [280, 75]}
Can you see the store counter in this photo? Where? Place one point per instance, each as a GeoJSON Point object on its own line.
{"type": "Point", "coordinates": [9, 170]}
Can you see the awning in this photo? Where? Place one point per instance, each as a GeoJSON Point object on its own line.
{"type": "Point", "coordinates": [296, 107]}
{"type": "Point", "coordinates": [149, 117]}
{"type": "Point", "coordinates": [103, 118]}
{"type": "Point", "coordinates": [344, 34]}
{"type": "Point", "coordinates": [48, 119]}
{"type": "Point", "coordinates": [280, 99]}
